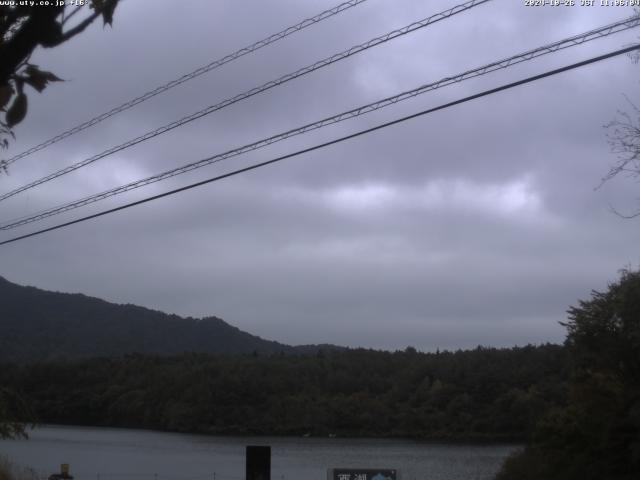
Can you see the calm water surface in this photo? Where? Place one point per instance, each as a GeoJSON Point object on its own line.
{"type": "Point", "coordinates": [117, 454]}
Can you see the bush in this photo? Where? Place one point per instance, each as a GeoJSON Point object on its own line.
{"type": "Point", "coordinates": [10, 471]}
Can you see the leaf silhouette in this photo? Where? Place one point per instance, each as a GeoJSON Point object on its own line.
{"type": "Point", "coordinates": [6, 91]}
{"type": "Point", "coordinates": [18, 110]}
{"type": "Point", "coordinates": [39, 79]}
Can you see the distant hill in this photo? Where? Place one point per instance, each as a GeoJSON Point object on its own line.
{"type": "Point", "coordinates": [38, 325]}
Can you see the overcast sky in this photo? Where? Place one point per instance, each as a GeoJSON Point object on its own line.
{"type": "Point", "coordinates": [474, 225]}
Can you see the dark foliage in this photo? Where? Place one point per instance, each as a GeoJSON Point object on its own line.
{"type": "Point", "coordinates": [481, 394]}
{"type": "Point", "coordinates": [597, 434]}
{"type": "Point", "coordinates": [25, 27]}
{"type": "Point", "coordinates": [15, 413]}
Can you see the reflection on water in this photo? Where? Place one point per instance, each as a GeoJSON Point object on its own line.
{"type": "Point", "coordinates": [118, 454]}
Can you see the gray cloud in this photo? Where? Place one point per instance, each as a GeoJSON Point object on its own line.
{"type": "Point", "coordinates": [475, 225]}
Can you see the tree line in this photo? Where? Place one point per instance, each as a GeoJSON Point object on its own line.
{"type": "Point", "coordinates": [481, 394]}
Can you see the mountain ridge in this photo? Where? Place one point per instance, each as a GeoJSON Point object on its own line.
{"type": "Point", "coordinates": [41, 325]}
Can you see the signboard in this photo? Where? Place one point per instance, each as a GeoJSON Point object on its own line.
{"type": "Point", "coordinates": [362, 474]}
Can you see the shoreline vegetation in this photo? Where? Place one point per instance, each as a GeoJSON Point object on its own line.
{"type": "Point", "coordinates": [481, 441]}
{"type": "Point", "coordinates": [485, 395]}
{"type": "Point", "coordinates": [11, 471]}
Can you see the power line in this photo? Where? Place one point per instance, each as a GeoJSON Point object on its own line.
{"type": "Point", "coordinates": [189, 76]}
{"type": "Point", "coordinates": [333, 142]}
{"type": "Point", "coordinates": [254, 91]}
{"type": "Point", "coordinates": [604, 31]}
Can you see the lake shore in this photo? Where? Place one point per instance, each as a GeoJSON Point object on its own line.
{"type": "Point", "coordinates": [115, 453]}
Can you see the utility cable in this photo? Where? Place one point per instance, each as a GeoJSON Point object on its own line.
{"type": "Point", "coordinates": [254, 91]}
{"type": "Point", "coordinates": [362, 110]}
{"type": "Point", "coordinates": [333, 142]}
{"type": "Point", "coordinates": [189, 76]}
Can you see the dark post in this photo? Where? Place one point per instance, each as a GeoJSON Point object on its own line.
{"type": "Point", "coordinates": [258, 462]}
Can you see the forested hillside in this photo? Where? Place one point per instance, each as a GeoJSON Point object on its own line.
{"type": "Point", "coordinates": [38, 325]}
{"type": "Point", "coordinates": [481, 394]}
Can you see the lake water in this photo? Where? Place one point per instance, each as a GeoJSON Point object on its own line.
{"type": "Point", "coordinates": [118, 454]}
